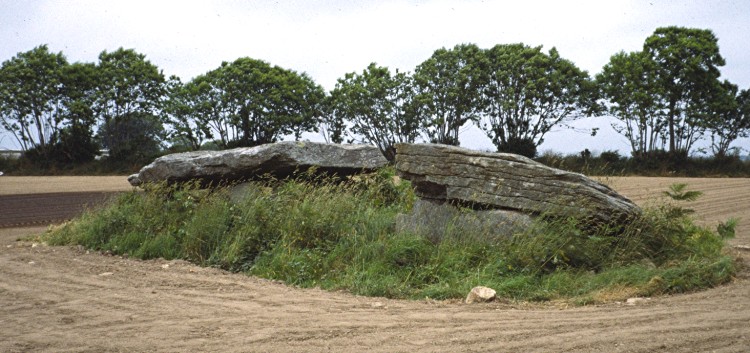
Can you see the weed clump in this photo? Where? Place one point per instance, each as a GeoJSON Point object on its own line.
{"type": "Point", "coordinates": [340, 235]}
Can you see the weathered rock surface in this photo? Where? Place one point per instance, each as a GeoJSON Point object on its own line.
{"type": "Point", "coordinates": [484, 180]}
{"type": "Point", "coordinates": [480, 294]}
{"type": "Point", "coordinates": [277, 159]}
{"type": "Point", "coordinates": [435, 220]}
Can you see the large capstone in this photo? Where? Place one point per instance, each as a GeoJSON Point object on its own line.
{"type": "Point", "coordinates": [279, 160]}
{"type": "Point", "coordinates": [482, 180]}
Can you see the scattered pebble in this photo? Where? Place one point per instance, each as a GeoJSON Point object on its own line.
{"type": "Point", "coordinates": [742, 247]}
{"type": "Point", "coordinates": [32, 263]}
{"type": "Point", "coordinates": [377, 305]}
{"type": "Point", "coordinates": [165, 266]}
{"type": "Point", "coordinates": [636, 300]}
{"type": "Point", "coordinates": [106, 273]}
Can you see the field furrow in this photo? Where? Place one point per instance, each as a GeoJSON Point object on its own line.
{"type": "Point", "coordinates": [56, 299]}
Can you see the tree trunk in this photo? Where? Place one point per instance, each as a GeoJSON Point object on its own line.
{"type": "Point", "coordinates": [672, 147]}
{"type": "Point", "coordinates": [245, 122]}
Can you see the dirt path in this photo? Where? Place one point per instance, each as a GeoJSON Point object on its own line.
{"type": "Point", "coordinates": [55, 299]}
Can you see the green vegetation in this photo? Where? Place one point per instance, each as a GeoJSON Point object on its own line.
{"type": "Point", "coordinates": [658, 163]}
{"type": "Point", "coordinates": [666, 98]}
{"type": "Point", "coordinates": [319, 232]}
{"type": "Point", "coordinates": [379, 106]}
{"type": "Point", "coordinates": [528, 93]}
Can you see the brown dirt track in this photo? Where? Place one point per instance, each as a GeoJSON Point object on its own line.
{"type": "Point", "coordinates": [63, 299]}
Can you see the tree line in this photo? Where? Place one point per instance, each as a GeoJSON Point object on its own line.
{"type": "Point", "coordinates": [665, 97]}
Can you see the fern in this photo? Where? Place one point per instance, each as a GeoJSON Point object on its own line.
{"type": "Point", "coordinates": [677, 192]}
{"type": "Point", "coordinates": [726, 230]}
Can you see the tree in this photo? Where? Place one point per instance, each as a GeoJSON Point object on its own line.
{"type": "Point", "coordinates": [266, 102]}
{"type": "Point", "coordinates": [332, 125]}
{"type": "Point", "coordinates": [76, 143]}
{"type": "Point", "coordinates": [449, 84]}
{"type": "Point", "coordinates": [527, 93]}
{"type": "Point", "coordinates": [128, 104]}
{"type": "Point", "coordinates": [135, 136]}
{"type": "Point", "coordinates": [30, 99]}
{"type": "Point", "coordinates": [730, 118]}
{"type": "Point", "coordinates": [378, 107]}
{"type": "Point", "coordinates": [190, 113]}
{"type": "Point", "coordinates": [629, 86]}
{"type": "Point", "coordinates": [204, 97]}
{"type": "Point", "coordinates": [686, 62]}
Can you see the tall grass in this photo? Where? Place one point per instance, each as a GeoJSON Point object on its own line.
{"type": "Point", "coordinates": [321, 232]}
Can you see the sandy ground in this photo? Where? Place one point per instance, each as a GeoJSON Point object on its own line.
{"type": "Point", "coordinates": [14, 185]}
{"type": "Point", "coordinates": [64, 299]}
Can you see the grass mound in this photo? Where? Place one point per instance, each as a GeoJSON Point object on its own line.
{"type": "Point", "coordinates": [340, 236]}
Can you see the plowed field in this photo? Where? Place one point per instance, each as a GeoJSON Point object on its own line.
{"type": "Point", "coordinates": [64, 299]}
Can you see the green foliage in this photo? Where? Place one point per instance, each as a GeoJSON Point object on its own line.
{"type": "Point", "coordinates": [8, 164]}
{"type": "Point", "coordinates": [331, 125]}
{"type": "Point", "coordinates": [76, 140]}
{"type": "Point", "coordinates": [666, 97]}
{"type": "Point", "coordinates": [266, 102]}
{"type": "Point", "coordinates": [608, 163]}
{"type": "Point", "coordinates": [686, 65]}
{"type": "Point", "coordinates": [726, 230]}
{"type": "Point", "coordinates": [338, 234]}
{"type": "Point", "coordinates": [524, 147]}
{"type": "Point", "coordinates": [135, 137]}
{"type": "Point", "coordinates": [189, 113]}
{"type": "Point", "coordinates": [677, 192]}
{"type": "Point", "coordinates": [379, 107]}
{"type": "Point", "coordinates": [729, 118]}
{"type": "Point", "coordinates": [527, 93]}
{"type": "Point", "coordinates": [449, 85]}
{"type": "Point", "coordinates": [656, 163]}
{"type": "Point", "coordinates": [628, 85]}
{"type": "Point", "coordinates": [128, 105]}
{"type": "Point", "coordinates": [669, 94]}
{"type": "Point", "coordinates": [30, 97]}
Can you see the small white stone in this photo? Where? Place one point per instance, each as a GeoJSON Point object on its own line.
{"type": "Point", "coordinates": [103, 274]}
{"type": "Point", "coordinates": [165, 266]}
{"type": "Point", "coordinates": [480, 294]}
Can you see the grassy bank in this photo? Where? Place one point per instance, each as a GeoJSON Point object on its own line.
{"type": "Point", "coordinates": [341, 236]}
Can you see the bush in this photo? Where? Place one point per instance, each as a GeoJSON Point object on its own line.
{"type": "Point", "coordinates": [524, 147]}
{"type": "Point", "coordinates": [340, 235]}
{"type": "Point", "coordinates": [8, 164]}
{"type": "Point", "coordinates": [656, 163]}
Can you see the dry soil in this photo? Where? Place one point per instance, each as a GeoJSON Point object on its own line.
{"type": "Point", "coordinates": [65, 299]}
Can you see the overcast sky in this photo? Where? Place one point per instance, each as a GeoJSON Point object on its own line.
{"type": "Point", "coordinates": [329, 38]}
